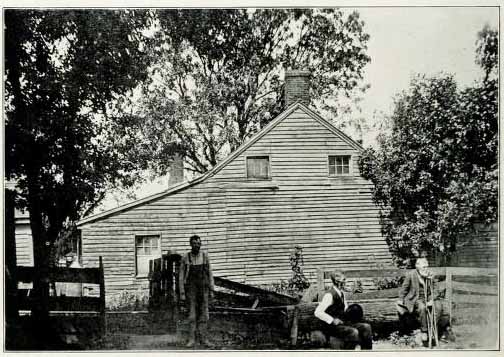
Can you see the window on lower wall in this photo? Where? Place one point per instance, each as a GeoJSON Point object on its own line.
{"type": "Point", "coordinates": [258, 167]}
{"type": "Point", "coordinates": [339, 165]}
{"type": "Point", "coordinates": [147, 247]}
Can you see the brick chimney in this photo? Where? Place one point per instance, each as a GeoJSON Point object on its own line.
{"type": "Point", "coordinates": [297, 87]}
{"type": "Point", "coordinates": [176, 170]}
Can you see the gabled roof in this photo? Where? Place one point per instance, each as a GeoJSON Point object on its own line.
{"type": "Point", "coordinates": [295, 106]}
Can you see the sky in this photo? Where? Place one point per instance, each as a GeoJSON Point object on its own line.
{"type": "Point", "coordinates": [403, 41]}
{"type": "Point", "coordinates": [409, 40]}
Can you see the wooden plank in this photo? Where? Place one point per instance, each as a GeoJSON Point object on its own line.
{"type": "Point", "coordinates": [294, 327]}
{"type": "Point", "coordinates": [378, 273]}
{"type": "Point", "coordinates": [320, 284]}
{"type": "Point", "coordinates": [264, 295]}
{"type": "Point", "coordinates": [375, 311]}
{"type": "Point", "coordinates": [449, 292]}
{"type": "Point", "coordinates": [124, 225]}
{"type": "Point", "coordinates": [456, 271]}
{"type": "Point", "coordinates": [69, 275]}
{"type": "Point", "coordinates": [372, 300]}
{"type": "Point", "coordinates": [257, 218]}
{"type": "Point", "coordinates": [369, 273]}
{"type": "Point", "coordinates": [64, 303]}
{"type": "Point", "coordinates": [341, 225]}
{"type": "Point", "coordinates": [244, 310]}
{"type": "Point", "coordinates": [227, 299]}
{"type": "Point", "coordinates": [377, 294]}
{"type": "Point", "coordinates": [475, 288]}
{"type": "Point", "coordinates": [101, 282]}
{"type": "Point", "coordinates": [475, 299]}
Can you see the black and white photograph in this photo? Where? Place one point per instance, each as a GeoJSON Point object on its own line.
{"type": "Point", "coordinates": [280, 179]}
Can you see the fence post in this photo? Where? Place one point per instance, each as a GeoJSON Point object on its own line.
{"type": "Point", "coordinates": [449, 291]}
{"type": "Point", "coordinates": [102, 294]}
{"type": "Point", "coordinates": [170, 276]}
{"type": "Point", "coordinates": [320, 283]}
{"type": "Point", "coordinates": [294, 326]}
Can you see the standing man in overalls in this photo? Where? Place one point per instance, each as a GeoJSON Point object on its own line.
{"type": "Point", "coordinates": [197, 284]}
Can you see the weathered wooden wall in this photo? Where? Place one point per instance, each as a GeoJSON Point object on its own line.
{"type": "Point", "coordinates": [251, 227]}
{"type": "Point", "coordinates": [480, 250]}
{"type": "Point", "coordinates": [24, 242]}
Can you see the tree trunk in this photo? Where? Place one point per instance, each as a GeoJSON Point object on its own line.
{"type": "Point", "coordinates": [40, 307]}
{"type": "Point", "coordinates": [377, 312]}
{"type": "Point", "coordinates": [11, 307]}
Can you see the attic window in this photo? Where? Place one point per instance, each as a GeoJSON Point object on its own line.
{"type": "Point", "coordinates": [339, 165]}
{"type": "Point", "coordinates": [258, 167]}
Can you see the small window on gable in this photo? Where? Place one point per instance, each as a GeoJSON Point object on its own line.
{"type": "Point", "coordinates": [339, 165]}
{"type": "Point", "coordinates": [147, 247]}
{"type": "Point", "coordinates": [258, 167]}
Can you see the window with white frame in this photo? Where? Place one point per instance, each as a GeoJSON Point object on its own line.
{"type": "Point", "coordinates": [258, 167]}
{"type": "Point", "coordinates": [339, 165]}
{"type": "Point", "coordinates": [147, 247]}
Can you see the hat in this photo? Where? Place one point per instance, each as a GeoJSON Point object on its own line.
{"type": "Point", "coordinates": [337, 276]}
{"type": "Point", "coordinates": [354, 313]}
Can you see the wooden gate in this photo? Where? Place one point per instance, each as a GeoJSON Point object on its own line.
{"type": "Point", "coordinates": [163, 282]}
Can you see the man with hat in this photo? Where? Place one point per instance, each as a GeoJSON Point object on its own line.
{"type": "Point", "coordinates": [332, 313]}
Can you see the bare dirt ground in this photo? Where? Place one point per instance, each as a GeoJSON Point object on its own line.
{"type": "Point", "coordinates": [468, 337]}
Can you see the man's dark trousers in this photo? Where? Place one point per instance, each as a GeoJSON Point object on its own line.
{"type": "Point", "coordinates": [352, 334]}
{"type": "Point", "coordinates": [197, 291]}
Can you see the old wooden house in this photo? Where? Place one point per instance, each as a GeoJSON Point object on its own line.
{"type": "Point", "coordinates": [295, 183]}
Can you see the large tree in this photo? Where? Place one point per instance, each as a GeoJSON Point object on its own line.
{"type": "Point", "coordinates": [62, 69]}
{"type": "Point", "coordinates": [217, 79]}
{"type": "Point", "coordinates": [435, 173]}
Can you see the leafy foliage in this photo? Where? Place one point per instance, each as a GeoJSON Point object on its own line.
{"type": "Point", "coordinates": [63, 68]}
{"type": "Point", "coordinates": [217, 79]}
{"type": "Point", "coordinates": [404, 341]}
{"type": "Point", "coordinates": [435, 175]}
{"type": "Point", "coordinates": [388, 283]}
{"type": "Point", "coordinates": [128, 301]}
{"type": "Point", "coordinates": [281, 287]}
{"type": "Point", "coordinates": [357, 286]}
{"type": "Point", "coordinates": [487, 52]}
{"type": "Point", "coordinates": [298, 282]}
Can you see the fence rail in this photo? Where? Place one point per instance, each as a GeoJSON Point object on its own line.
{"type": "Point", "coordinates": [164, 288]}
{"type": "Point", "coordinates": [65, 275]}
{"type": "Point", "coordinates": [462, 285]}
{"type": "Point", "coordinates": [59, 274]}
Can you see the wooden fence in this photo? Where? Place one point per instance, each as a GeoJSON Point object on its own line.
{"type": "Point", "coordinates": [163, 283]}
{"type": "Point", "coordinates": [64, 303]}
{"type": "Point", "coordinates": [463, 288]}
{"type": "Point", "coordinates": [164, 289]}
{"type": "Point", "coordinates": [240, 312]}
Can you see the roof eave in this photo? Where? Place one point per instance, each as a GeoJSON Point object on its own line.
{"type": "Point", "coordinates": [139, 202]}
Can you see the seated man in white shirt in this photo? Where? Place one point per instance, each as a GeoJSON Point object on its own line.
{"type": "Point", "coordinates": [331, 312]}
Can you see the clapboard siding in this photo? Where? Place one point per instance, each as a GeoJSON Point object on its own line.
{"type": "Point", "coordinates": [250, 227]}
{"type": "Point", "coordinates": [480, 250]}
{"type": "Point", "coordinates": [24, 242]}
